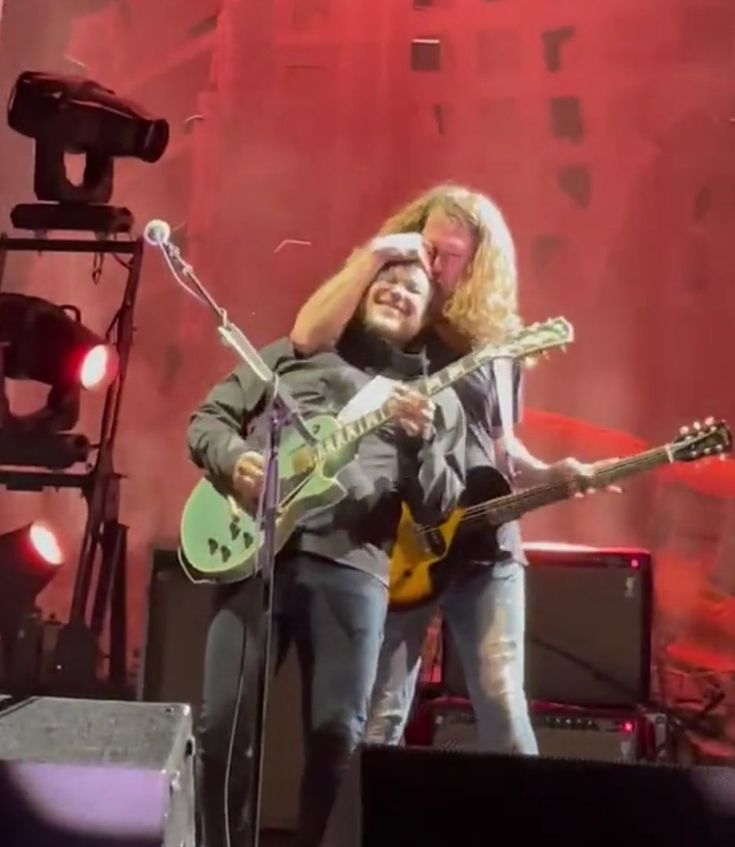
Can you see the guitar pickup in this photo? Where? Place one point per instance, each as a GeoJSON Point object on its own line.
{"type": "Point", "coordinates": [434, 542]}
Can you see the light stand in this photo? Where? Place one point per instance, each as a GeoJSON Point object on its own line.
{"type": "Point", "coordinates": [283, 411]}
{"type": "Point", "coordinates": [100, 575]}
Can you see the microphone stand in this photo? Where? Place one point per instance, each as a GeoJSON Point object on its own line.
{"type": "Point", "coordinates": [283, 411]}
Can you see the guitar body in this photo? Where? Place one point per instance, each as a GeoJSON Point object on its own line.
{"type": "Point", "coordinates": [220, 541]}
{"type": "Point", "coordinates": [417, 568]}
{"type": "Point", "coordinates": [418, 571]}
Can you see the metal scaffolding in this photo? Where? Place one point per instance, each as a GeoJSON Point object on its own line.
{"type": "Point", "coordinates": [100, 578]}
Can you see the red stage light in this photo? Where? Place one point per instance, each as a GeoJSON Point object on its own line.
{"type": "Point", "coordinates": [45, 543]}
{"type": "Point", "coordinates": [48, 343]}
{"type": "Point", "coordinates": [30, 557]}
{"type": "Point", "coordinates": [98, 368]}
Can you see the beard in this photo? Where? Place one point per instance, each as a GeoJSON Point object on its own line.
{"type": "Point", "coordinates": [387, 325]}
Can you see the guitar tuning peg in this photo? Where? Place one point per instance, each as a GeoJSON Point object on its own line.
{"type": "Point", "coordinates": [710, 420]}
{"type": "Point", "coordinates": [707, 451]}
{"type": "Point", "coordinates": [722, 457]}
{"type": "Point", "coordinates": [563, 348]}
{"type": "Point", "coordinates": [684, 430]}
{"type": "Point", "coordinates": [697, 425]}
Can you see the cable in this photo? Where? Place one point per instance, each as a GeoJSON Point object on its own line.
{"type": "Point", "coordinates": [178, 279]}
{"type": "Point", "coordinates": [260, 513]}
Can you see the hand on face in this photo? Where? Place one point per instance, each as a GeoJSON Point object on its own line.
{"type": "Point", "coordinates": [412, 411]}
{"type": "Point", "coordinates": [402, 247]}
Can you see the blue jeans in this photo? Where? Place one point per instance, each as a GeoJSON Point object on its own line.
{"type": "Point", "coordinates": [484, 608]}
{"type": "Point", "coordinates": [335, 616]}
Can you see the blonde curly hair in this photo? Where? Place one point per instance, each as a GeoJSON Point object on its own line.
{"type": "Point", "coordinates": [484, 306]}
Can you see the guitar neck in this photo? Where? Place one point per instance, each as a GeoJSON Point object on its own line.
{"type": "Point", "coordinates": [511, 506]}
{"type": "Point", "coordinates": [351, 432]}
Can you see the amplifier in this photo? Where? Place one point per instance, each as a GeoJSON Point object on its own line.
{"type": "Point", "coordinates": [588, 627]}
{"type": "Point", "coordinates": [562, 732]}
{"type": "Point", "coordinates": [96, 772]}
{"type": "Point", "coordinates": [178, 616]}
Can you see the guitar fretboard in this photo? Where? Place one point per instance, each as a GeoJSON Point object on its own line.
{"type": "Point", "coordinates": [429, 386]}
{"type": "Point", "coordinates": [510, 506]}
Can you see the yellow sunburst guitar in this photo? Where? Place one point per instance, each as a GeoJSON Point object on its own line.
{"type": "Point", "coordinates": [417, 573]}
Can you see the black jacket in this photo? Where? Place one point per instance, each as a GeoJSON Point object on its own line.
{"type": "Point", "coordinates": [390, 467]}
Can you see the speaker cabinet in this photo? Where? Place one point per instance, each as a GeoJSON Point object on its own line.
{"type": "Point", "coordinates": [91, 772]}
{"type": "Point", "coordinates": [395, 795]}
{"type": "Point", "coordinates": [588, 628]}
{"type": "Point", "coordinates": [178, 616]}
{"type": "Point", "coordinates": [176, 628]}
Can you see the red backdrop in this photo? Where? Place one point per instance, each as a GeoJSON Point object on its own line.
{"type": "Point", "coordinates": [605, 131]}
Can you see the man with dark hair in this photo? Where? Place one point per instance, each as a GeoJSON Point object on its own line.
{"type": "Point", "coordinates": [331, 578]}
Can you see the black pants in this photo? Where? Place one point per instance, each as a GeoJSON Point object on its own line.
{"type": "Point", "coordinates": [335, 616]}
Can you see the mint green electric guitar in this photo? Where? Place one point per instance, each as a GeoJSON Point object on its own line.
{"type": "Point", "coordinates": [220, 540]}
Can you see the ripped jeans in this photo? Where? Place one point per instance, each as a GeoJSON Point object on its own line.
{"type": "Point", "coordinates": [484, 608]}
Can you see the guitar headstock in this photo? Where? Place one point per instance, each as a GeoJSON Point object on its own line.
{"type": "Point", "coordinates": [711, 438]}
{"type": "Point", "coordinates": [536, 338]}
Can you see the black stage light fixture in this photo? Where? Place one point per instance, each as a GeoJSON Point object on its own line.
{"type": "Point", "coordinates": [71, 114]}
{"type": "Point", "coordinates": [47, 343]}
{"type": "Point", "coordinates": [30, 557]}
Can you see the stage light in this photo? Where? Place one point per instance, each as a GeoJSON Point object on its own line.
{"type": "Point", "coordinates": [48, 343]}
{"type": "Point", "coordinates": [97, 367]}
{"type": "Point", "coordinates": [30, 558]}
{"type": "Point", "coordinates": [68, 114]}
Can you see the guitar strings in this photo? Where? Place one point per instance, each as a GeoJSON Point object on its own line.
{"type": "Point", "coordinates": [474, 513]}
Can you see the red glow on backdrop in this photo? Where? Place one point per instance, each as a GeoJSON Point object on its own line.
{"type": "Point", "coordinates": [604, 132]}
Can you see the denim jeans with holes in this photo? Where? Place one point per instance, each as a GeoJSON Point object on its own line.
{"type": "Point", "coordinates": [484, 609]}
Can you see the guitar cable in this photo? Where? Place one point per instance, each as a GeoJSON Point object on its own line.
{"type": "Point", "coordinates": [236, 720]}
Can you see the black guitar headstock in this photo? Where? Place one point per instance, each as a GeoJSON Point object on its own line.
{"type": "Point", "coordinates": [710, 438]}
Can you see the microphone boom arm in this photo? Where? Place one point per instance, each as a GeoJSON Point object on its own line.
{"type": "Point", "coordinates": [157, 233]}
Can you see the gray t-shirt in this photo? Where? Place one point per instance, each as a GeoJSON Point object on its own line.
{"type": "Point", "coordinates": [478, 394]}
{"type": "Point", "coordinates": [390, 467]}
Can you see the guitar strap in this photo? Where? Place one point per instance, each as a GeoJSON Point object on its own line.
{"type": "Point", "coordinates": [371, 396]}
{"type": "Point", "coordinates": [503, 373]}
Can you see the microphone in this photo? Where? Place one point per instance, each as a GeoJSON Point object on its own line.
{"type": "Point", "coordinates": [157, 232]}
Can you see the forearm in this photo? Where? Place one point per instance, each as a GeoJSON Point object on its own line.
{"type": "Point", "coordinates": [528, 468]}
{"type": "Point", "coordinates": [214, 436]}
{"type": "Point", "coordinates": [213, 445]}
{"type": "Point", "coordinates": [324, 316]}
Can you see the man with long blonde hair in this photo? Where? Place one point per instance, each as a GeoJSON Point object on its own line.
{"type": "Point", "coordinates": [462, 237]}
